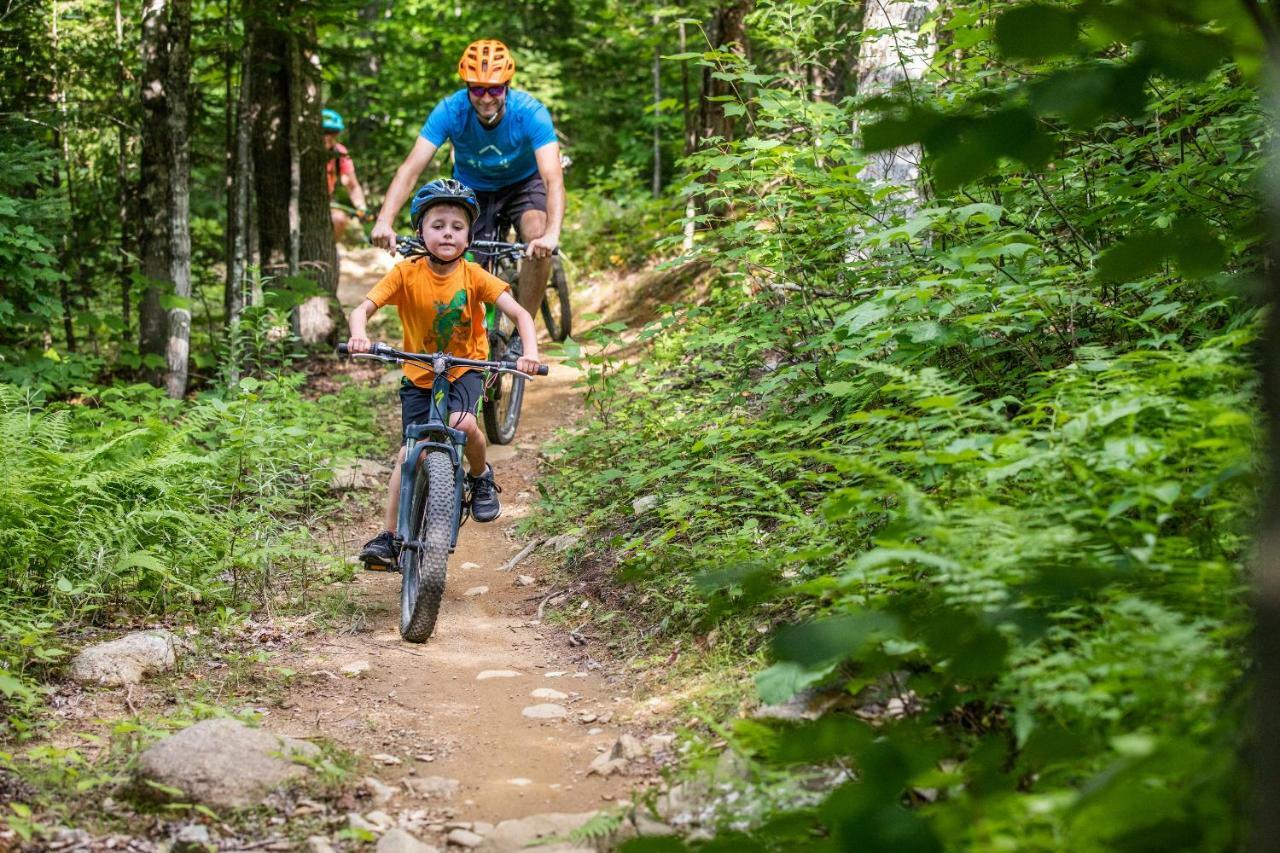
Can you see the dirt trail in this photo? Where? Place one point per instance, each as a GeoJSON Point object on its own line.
{"type": "Point", "coordinates": [425, 705]}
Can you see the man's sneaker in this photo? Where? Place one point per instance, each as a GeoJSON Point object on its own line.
{"type": "Point", "coordinates": [484, 496]}
{"type": "Point", "coordinates": [379, 552]}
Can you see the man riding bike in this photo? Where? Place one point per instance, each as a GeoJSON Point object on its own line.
{"type": "Point", "coordinates": [505, 148]}
{"type": "Point", "coordinates": [340, 167]}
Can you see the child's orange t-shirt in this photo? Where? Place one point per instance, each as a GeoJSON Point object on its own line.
{"type": "Point", "coordinates": [439, 313]}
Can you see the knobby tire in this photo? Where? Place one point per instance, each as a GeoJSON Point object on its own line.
{"type": "Point", "coordinates": [506, 393]}
{"type": "Point", "coordinates": [432, 523]}
{"type": "Point", "coordinates": [558, 291]}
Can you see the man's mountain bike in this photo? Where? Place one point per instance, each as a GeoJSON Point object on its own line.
{"type": "Point", "coordinates": [503, 260]}
{"type": "Point", "coordinates": [434, 499]}
{"type": "Point", "coordinates": [503, 393]}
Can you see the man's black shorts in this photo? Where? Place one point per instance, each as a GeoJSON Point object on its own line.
{"type": "Point", "coordinates": [506, 205]}
{"type": "Point", "coordinates": [465, 395]}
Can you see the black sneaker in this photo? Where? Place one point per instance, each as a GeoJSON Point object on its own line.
{"type": "Point", "coordinates": [379, 552]}
{"type": "Point", "coordinates": [484, 496]}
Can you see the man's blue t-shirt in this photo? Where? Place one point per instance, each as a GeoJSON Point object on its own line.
{"type": "Point", "coordinates": [491, 159]}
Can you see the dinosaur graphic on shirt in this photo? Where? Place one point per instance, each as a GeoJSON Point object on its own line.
{"type": "Point", "coordinates": [449, 317]}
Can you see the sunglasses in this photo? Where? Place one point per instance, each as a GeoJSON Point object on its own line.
{"type": "Point", "coordinates": [491, 91]}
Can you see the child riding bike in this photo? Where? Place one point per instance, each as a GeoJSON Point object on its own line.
{"type": "Point", "coordinates": [441, 299]}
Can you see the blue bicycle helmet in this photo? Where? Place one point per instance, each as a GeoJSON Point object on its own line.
{"type": "Point", "coordinates": [332, 122]}
{"type": "Point", "coordinates": [443, 191]}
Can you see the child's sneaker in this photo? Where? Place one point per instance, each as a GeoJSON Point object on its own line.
{"type": "Point", "coordinates": [379, 552]}
{"type": "Point", "coordinates": [484, 496]}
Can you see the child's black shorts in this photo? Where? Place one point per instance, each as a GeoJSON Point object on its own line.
{"type": "Point", "coordinates": [465, 394]}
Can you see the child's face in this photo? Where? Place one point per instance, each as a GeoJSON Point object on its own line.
{"type": "Point", "coordinates": [444, 230]}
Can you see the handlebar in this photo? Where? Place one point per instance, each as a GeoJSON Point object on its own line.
{"type": "Point", "coordinates": [498, 248]}
{"type": "Point", "coordinates": [382, 352]}
{"type": "Point", "coordinates": [410, 247]}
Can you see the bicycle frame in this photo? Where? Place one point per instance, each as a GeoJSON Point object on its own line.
{"type": "Point", "coordinates": [419, 438]}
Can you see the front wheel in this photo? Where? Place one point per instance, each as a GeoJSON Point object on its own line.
{"type": "Point", "coordinates": [557, 296]}
{"type": "Point", "coordinates": [424, 559]}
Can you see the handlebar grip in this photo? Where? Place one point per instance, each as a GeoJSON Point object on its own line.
{"type": "Point", "coordinates": [543, 369]}
{"type": "Point", "coordinates": [343, 349]}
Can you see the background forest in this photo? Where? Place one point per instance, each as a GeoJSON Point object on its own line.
{"type": "Point", "coordinates": [958, 442]}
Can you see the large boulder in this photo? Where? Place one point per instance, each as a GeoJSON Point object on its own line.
{"type": "Point", "coordinates": [222, 763]}
{"type": "Point", "coordinates": [126, 660]}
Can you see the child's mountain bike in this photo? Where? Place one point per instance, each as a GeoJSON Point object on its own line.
{"type": "Point", "coordinates": [434, 499]}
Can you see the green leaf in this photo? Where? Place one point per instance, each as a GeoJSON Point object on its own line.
{"type": "Point", "coordinates": [785, 679]}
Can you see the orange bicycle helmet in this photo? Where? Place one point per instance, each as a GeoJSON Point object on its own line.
{"type": "Point", "coordinates": [486, 62]}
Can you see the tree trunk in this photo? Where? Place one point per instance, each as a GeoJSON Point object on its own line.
{"type": "Point", "coordinates": [657, 109]}
{"type": "Point", "coordinates": [154, 180]}
{"type": "Point", "coordinates": [238, 203]}
{"type": "Point", "coordinates": [165, 189]}
{"type": "Point", "coordinates": [294, 231]}
{"type": "Point", "coordinates": [178, 346]}
{"type": "Point", "coordinates": [127, 235]}
{"type": "Point", "coordinates": [68, 234]}
{"type": "Point", "coordinates": [898, 55]}
{"type": "Point", "coordinates": [727, 28]}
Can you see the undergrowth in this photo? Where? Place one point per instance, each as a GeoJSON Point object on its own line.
{"type": "Point", "coordinates": [122, 506]}
{"type": "Point", "coordinates": [988, 487]}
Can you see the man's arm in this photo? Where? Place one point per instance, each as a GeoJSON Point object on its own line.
{"type": "Point", "coordinates": [402, 186]}
{"type": "Point", "coordinates": [552, 174]}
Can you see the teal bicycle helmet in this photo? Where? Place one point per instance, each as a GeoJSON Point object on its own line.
{"type": "Point", "coordinates": [443, 191]}
{"type": "Point", "coordinates": [332, 122]}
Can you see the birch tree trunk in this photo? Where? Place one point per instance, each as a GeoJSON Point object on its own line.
{"type": "Point", "coordinates": [238, 204]}
{"type": "Point", "coordinates": [896, 56]}
{"type": "Point", "coordinates": [178, 345]}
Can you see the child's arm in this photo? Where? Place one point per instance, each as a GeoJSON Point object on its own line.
{"type": "Point", "coordinates": [359, 341]}
{"type": "Point", "coordinates": [524, 325]}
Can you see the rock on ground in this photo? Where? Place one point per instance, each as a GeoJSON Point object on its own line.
{"type": "Point", "coordinates": [380, 792]}
{"type": "Point", "coordinates": [399, 841]}
{"type": "Point", "coordinates": [126, 660]}
{"type": "Point", "coordinates": [431, 786]}
{"type": "Point", "coordinates": [548, 693]}
{"type": "Point", "coordinates": [644, 504]}
{"type": "Point", "coordinates": [545, 712]}
{"type": "Point", "coordinates": [563, 542]}
{"type": "Point", "coordinates": [512, 835]}
{"type": "Point", "coordinates": [222, 763]}
{"type": "Point", "coordinates": [465, 838]}
{"type": "Point", "coordinates": [497, 673]}
{"type": "Point", "coordinates": [361, 474]}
